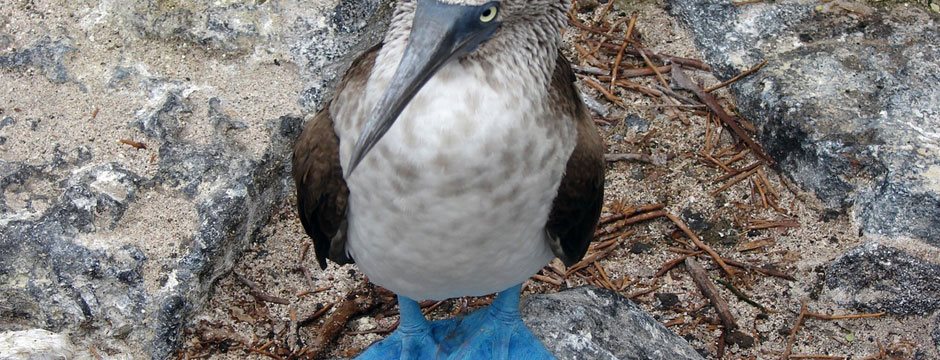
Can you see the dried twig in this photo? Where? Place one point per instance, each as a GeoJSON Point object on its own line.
{"type": "Point", "coordinates": [741, 296]}
{"type": "Point", "coordinates": [801, 318]}
{"type": "Point", "coordinates": [632, 73]}
{"type": "Point", "coordinates": [607, 94]}
{"type": "Point", "coordinates": [357, 301]}
{"type": "Point", "coordinates": [669, 265]}
{"type": "Point", "coordinates": [711, 293]}
{"type": "Point", "coordinates": [588, 260]}
{"type": "Point", "coordinates": [643, 158]}
{"type": "Point", "coordinates": [629, 85]}
{"type": "Point", "coordinates": [134, 144]}
{"type": "Point", "coordinates": [316, 315]}
{"type": "Point", "coordinates": [256, 291]}
{"type": "Point", "coordinates": [736, 179]}
{"type": "Point", "coordinates": [629, 221]}
{"type": "Point", "coordinates": [630, 212]}
{"type": "Point", "coordinates": [769, 224]}
{"type": "Point", "coordinates": [683, 81]}
{"type": "Point", "coordinates": [639, 293]}
{"type": "Point", "coordinates": [547, 279]}
{"type": "Point", "coordinates": [761, 270]}
{"type": "Point", "coordinates": [701, 245]}
{"type": "Point", "coordinates": [756, 244]}
{"type": "Point", "coordinates": [796, 327]}
{"type": "Point", "coordinates": [844, 316]}
{"type": "Point", "coordinates": [741, 171]}
{"type": "Point", "coordinates": [623, 46]}
{"type": "Point", "coordinates": [737, 77]}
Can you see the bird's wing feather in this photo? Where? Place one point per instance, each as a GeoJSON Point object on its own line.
{"type": "Point", "coordinates": [577, 206]}
{"type": "Point", "coordinates": [322, 195]}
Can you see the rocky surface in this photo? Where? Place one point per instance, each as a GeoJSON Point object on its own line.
{"type": "Point", "coordinates": [593, 323]}
{"type": "Point", "coordinates": [848, 104]}
{"type": "Point", "coordinates": [867, 278]}
{"type": "Point", "coordinates": [936, 333]}
{"type": "Point", "coordinates": [143, 145]}
{"type": "Point", "coordinates": [35, 344]}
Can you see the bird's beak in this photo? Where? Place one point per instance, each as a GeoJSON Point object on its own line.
{"type": "Point", "coordinates": [440, 32]}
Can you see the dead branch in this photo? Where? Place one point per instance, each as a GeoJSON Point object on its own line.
{"type": "Point", "coordinates": [257, 293]}
{"type": "Point", "coordinates": [701, 245]}
{"type": "Point", "coordinates": [356, 301]}
{"type": "Point", "coordinates": [737, 77]}
{"type": "Point", "coordinates": [683, 81]}
{"type": "Point", "coordinates": [711, 293]}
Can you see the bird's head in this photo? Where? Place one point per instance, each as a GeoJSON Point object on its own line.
{"type": "Point", "coordinates": [441, 31]}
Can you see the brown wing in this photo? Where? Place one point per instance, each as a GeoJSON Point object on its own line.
{"type": "Point", "coordinates": [322, 195]}
{"type": "Point", "coordinates": [577, 207]}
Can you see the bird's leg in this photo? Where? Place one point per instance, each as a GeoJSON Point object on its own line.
{"type": "Point", "coordinates": [411, 340]}
{"type": "Point", "coordinates": [505, 310]}
{"type": "Point", "coordinates": [495, 332]}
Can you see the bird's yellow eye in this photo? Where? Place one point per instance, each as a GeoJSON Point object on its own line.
{"type": "Point", "coordinates": [488, 15]}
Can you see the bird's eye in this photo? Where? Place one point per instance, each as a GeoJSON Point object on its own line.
{"type": "Point", "coordinates": [488, 15]}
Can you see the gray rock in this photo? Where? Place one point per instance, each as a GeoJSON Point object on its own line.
{"type": "Point", "coordinates": [638, 124]}
{"type": "Point", "coordinates": [592, 323]}
{"type": "Point", "coordinates": [325, 53]}
{"type": "Point", "coordinates": [875, 277]}
{"type": "Point", "coordinates": [64, 283]}
{"type": "Point", "coordinates": [220, 120]}
{"type": "Point", "coordinates": [35, 344]}
{"type": "Point", "coordinates": [66, 264]}
{"type": "Point", "coordinates": [936, 333]}
{"type": "Point", "coordinates": [231, 28]}
{"type": "Point", "coordinates": [45, 54]}
{"type": "Point", "coordinates": [847, 104]}
{"type": "Point", "coordinates": [169, 107]}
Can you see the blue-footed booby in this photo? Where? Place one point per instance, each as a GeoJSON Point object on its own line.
{"type": "Point", "coordinates": [455, 159]}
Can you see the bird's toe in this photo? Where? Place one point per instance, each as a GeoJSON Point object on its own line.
{"type": "Point", "coordinates": [489, 334]}
{"type": "Point", "coordinates": [404, 344]}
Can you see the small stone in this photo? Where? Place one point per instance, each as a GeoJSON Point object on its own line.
{"type": "Point", "coordinates": [7, 121]}
{"type": "Point", "coordinates": [638, 124]}
{"type": "Point", "coordinates": [722, 232]}
{"type": "Point", "coordinates": [637, 173]}
{"type": "Point", "coordinates": [695, 220]}
{"type": "Point", "coordinates": [667, 300]}
{"type": "Point", "coordinates": [640, 248]}
{"type": "Point", "coordinates": [740, 339]}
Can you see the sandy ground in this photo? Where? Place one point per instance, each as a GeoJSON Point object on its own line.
{"type": "Point", "coordinates": [684, 183]}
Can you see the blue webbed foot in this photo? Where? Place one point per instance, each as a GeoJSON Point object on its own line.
{"type": "Point", "coordinates": [412, 340]}
{"type": "Point", "coordinates": [495, 332]}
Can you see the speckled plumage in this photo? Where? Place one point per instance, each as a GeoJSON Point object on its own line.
{"type": "Point", "coordinates": [460, 197]}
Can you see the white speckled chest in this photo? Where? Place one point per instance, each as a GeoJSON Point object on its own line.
{"type": "Point", "coordinates": [453, 200]}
